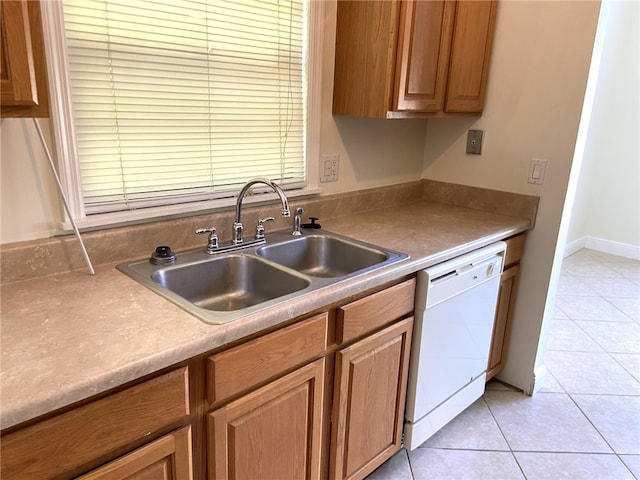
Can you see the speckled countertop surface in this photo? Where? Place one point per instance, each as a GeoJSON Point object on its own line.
{"type": "Point", "coordinates": [67, 337]}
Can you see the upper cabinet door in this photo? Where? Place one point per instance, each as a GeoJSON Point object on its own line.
{"type": "Point", "coordinates": [423, 55]}
{"type": "Point", "coordinates": [412, 58]}
{"type": "Point", "coordinates": [366, 37]}
{"type": "Point", "coordinates": [18, 75]}
{"type": "Point", "coordinates": [23, 82]}
{"type": "Point", "coordinates": [470, 55]}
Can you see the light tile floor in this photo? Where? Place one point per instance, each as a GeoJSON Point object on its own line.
{"type": "Point", "coordinates": [584, 423]}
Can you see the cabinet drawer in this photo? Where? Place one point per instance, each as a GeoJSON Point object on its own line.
{"type": "Point", "coordinates": [61, 445]}
{"type": "Point", "coordinates": [515, 247]}
{"type": "Point", "coordinates": [253, 362]}
{"type": "Point", "coordinates": [370, 313]}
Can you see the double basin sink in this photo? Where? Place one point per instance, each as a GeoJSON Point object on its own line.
{"type": "Point", "coordinates": [223, 287]}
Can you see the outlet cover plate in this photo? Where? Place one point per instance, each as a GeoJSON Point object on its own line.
{"type": "Point", "coordinates": [329, 167]}
{"type": "Point", "coordinates": [474, 142]}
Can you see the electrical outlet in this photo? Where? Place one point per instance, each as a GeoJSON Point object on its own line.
{"type": "Point", "coordinates": [474, 142]}
{"type": "Point", "coordinates": [329, 164]}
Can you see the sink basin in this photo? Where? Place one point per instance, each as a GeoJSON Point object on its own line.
{"type": "Point", "coordinates": [229, 283]}
{"type": "Point", "coordinates": [322, 256]}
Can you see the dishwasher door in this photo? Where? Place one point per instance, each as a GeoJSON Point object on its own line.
{"type": "Point", "coordinates": [455, 310]}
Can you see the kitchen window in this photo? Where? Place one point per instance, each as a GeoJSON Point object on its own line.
{"type": "Point", "coordinates": [170, 107]}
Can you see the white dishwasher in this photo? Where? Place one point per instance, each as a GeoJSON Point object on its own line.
{"type": "Point", "coordinates": [454, 316]}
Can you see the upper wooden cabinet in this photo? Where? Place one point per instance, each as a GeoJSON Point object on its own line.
{"type": "Point", "coordinates": [412, 58]}
{"type": "Point", "coordinates": [23, 82]}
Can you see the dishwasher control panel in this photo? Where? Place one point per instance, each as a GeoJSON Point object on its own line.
{"type": "Point", "coordinates": [458, 275]}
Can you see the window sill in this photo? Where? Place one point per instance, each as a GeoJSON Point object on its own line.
{"type": "Point", "coordinates": [145, 215]}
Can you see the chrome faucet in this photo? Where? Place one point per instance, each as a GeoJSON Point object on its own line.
{"type": "Point", "coordinates": [237, 225]}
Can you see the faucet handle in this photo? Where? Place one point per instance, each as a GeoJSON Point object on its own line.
{"type": "Point", "coordinates": [260, 227]}
{"type": "Point", "coordinates": [212, 240]}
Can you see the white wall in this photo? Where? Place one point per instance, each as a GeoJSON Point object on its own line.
{"type": "Point", "coordinates": [372, 153]}
{"type": "Point", "coordinates": [536, 87]}
{"type": "Point", "coordinates": [607, 203]}
{"type": "Point", "coordinates": [28, 204]}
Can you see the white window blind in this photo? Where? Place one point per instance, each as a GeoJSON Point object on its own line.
{"type": "Point", "coordinates": [183, 100]}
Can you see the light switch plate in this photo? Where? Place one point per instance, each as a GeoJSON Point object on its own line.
{"type": "Point", "coordinates": [474, 142]}
{"type": "Point", "coordinates": [537, 170]}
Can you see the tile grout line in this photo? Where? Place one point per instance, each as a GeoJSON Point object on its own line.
{"type": "Point", "coordinates": [613, 452]}
{"type": "Point", "coordinates": [506, 441]}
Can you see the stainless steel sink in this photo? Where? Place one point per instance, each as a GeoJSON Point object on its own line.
{"type": "Point", "coordinates": [324, 256]}
{"type": "Point", "coordinates": [228, 283]}
{"type": "Point", "coordinates": [225, 286]}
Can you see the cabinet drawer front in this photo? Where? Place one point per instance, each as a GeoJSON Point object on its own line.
{"type": "Point", "coordinates": [61, 445]}
{"type": "Point", "coordinates": [515, 247]}
{"type": "Point", "coordinates": [370, 313]}
{"type": "Point", "coordinates": [253, 362]}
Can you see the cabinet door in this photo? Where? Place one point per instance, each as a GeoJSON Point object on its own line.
{"type": "Point", "coordinates": [368, 402]}
{"type": "Point", "coordinates": [470, 55]}
{"type": "Point", "coordinates": [168, 458]}
{"type": "Point", "coordinates": [423, 55]}
{"type": "Point", "coordinates": [366, 39]}
{"type": "Point", "coordinates": [23, 82]}
{"type": "Point", "coordinates": [502, 324]}
{"type": "Point", "coordinates": [274, 432]}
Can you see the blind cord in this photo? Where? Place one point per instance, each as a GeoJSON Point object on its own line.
{"type": "Point", "coordinates": [64, 198]}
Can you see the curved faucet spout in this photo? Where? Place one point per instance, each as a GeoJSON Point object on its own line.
{"type": "Point", "coordinates": [237, 225]}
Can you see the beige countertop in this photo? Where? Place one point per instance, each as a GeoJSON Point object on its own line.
{"type": "Point", "coordinates": [67, 337]}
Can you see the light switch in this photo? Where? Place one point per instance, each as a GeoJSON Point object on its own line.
{"type": "Point", "coordinates": [536, 171]}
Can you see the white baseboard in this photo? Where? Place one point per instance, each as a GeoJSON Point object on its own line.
{"type": "Point", "coordinates": [602, 245]}
{"type": "Point", "coordinates": [572, 247]}
{"type": "Point", "coordinates": [539, 379]}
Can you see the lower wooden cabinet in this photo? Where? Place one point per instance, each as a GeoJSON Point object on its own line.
{"type": "Point", "coordinates": [502, 323]}
{"type": "Point", "coordinates": [274, 432]}
{"type": "Point", "coordinates": [168, 458]}
{"type": "Point", "coordinates": [369, 398]}
{"type": "Point", "coordinates": [259, 410]}
{"type": "Point", "coordinates": [506, 302]}
{"type": "Point", "coordinates": [78, 440]}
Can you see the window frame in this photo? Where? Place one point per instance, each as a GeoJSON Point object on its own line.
{"type": "Point", "coordinates": [63, 132]}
